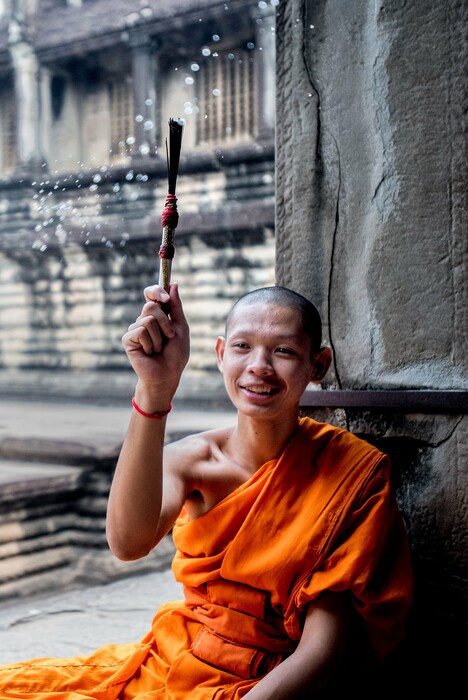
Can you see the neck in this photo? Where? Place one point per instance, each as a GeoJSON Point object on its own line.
{"type": "Point", "coordinates": [255, 442]}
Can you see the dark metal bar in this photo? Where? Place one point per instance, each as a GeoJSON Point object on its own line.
{"type": "Point", "coordinates": [388, 399]}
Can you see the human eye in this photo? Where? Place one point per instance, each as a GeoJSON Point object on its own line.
{"type": "Point", "coordinates": [285, 351]}
{"type": "Point", "coordinates": [240, 345]}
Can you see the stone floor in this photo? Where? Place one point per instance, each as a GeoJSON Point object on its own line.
{"type": "Point", "coordinates": [81, 620]}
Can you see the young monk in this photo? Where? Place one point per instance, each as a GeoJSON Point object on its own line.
{"type": "Point", "coordinates": [290, 545]}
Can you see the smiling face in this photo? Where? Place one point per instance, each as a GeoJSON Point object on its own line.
{"type": "Point", "coordinates": [266, 359]}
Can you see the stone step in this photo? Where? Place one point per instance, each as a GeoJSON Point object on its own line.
{"type": "Point", "coordinates": [52, 528]}
{"type": "Point", "coordinates": [56, 467]}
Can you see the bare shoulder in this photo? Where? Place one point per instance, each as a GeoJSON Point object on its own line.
{"type": "Point", "coordinates": [198, 448]}
{"type": "Point", "coordinates": [199, 470]}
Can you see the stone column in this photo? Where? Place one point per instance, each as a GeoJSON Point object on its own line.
{"type": "Point", "coordinates": [27, 94]}
{"type": "Point", "coordinates": [371, 225]}
{"type": "Point", "coordinates": [264, 20]}
{"type": "Point", "coordinates": [144, 94]}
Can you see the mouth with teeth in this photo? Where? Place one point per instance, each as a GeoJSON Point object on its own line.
{"type": "Point", "coordinates": [260, 390]}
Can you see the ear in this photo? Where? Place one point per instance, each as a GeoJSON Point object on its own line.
{"type": "Point", "coordinates": [220, 347]}
{"type": "Point", "coordinates": [322, 362]}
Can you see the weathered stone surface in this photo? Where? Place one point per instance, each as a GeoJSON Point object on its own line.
{"type": "Point", "coordinates": [379, 124]}
{"type": "Point", "coordinates": [371, 224]}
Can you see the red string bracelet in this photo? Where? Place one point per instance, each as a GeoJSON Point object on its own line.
{"type": "Point", "coordinates": [154, 416]}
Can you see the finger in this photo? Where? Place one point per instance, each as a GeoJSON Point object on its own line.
{"type": "Point", "coordinates": [138, 339]}
{"type": "Point", "coordinates": [156, 293]}
{"type": "Point", "coordinates": [176, 310]}
{"type": "Point", "coordinates": [154, 311]}
{"type": "Point", "coordinates": [155, 332]}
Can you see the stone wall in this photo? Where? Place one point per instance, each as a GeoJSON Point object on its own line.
{"type": "Point", "coordinates": [371, 112]}
{"type": "Point", "coordinates": [74, 261]}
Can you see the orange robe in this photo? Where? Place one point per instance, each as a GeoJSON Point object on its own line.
{"type": "Point", "coordinates": [321, 517]}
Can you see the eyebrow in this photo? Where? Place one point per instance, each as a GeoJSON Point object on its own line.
{"type": "Point", "coordinates": [282, 336]}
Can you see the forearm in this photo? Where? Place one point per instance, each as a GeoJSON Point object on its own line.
{"type": "Point", "coordinates": [157, 345]}
{"type": "Point", "coordinates": [135, 498]}
{"type": "Point", "coordinates": [296, 677]}
{"type": "Point", "coordinates": [321, 651]}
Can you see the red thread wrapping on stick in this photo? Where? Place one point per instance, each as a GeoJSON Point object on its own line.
{"type": "Point", "coordinates": [170, 215]}
{"type": "Point", "coordinates": [166, 251]}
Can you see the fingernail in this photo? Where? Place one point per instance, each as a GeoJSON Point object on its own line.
{"type": "Point", "coordinates": [165, 296]}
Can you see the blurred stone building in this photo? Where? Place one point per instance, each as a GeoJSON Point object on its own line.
{"type": "Point", "coordinates": [87, 88]}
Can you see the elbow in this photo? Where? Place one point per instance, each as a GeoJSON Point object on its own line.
{"type": "Point", "coordinates": [126, 550]}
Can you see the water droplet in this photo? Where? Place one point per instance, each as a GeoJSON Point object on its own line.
{"type": "Point", "coordinates": [132, 18]}
{"type": "Point", "coordinates": [144, 149]}
{"type": "Point", "coordinates": [93, 188]}
{"type": "Point", "coordinates": [148, 102]}
{"type": "Point", "coordinates": [129, 175]}
{"type": "Point", "coordinates": [216, 92]}
{"type": "Point", "coordinates": [216, 37]}
{"type": "Point", "coordinates": [139, 118]}
{"type": "Point", "coordinates": [189, 81]}
{"type": "Point", "coordinates": [42, 248]}
{"type": "Point", "coordinates": [130, 140]}
{"type": "Point", "coordinates": [38, 228]}
{"type": "Point", "coordinates": [262, 5]}
{"type": "Point", "coordinates": [206, 51]}
{"type": "Point", "coordinates": [116, 187]}
{"type": "Point", "coordinates": [231, 56]}
{"type": "Point", "coordinates": [148, 125]}
{"type": "Point", "coordinates": [250, 45]}
{"type": "Point", "coordinates": [97, 178]}
{"type": "Point", "coordinates": [195, 67]}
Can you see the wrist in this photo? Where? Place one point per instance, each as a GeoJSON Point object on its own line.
{"type": "Point", "coordinates": [156, 415]}
{"type": "Point", "coordinates": [152, 401]}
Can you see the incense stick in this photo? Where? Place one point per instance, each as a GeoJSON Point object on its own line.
{"type": "Point", "coordinates": [170, 215]}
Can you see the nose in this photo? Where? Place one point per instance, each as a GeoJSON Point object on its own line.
{"type": "Point", "coordinates": [260, 363]}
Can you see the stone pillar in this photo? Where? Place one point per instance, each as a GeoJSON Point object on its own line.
{"type": "Point", "coordinates": [264, 20]}
{"type": "Point", "coordinates": [371, 225]}
{"type": "Point", "coordinates": [27, 94]}
{"type": "Point", "coordinates": [144, 94]}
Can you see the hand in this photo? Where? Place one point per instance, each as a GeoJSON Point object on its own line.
{"type": "Point", "coordinates": [158, 347]}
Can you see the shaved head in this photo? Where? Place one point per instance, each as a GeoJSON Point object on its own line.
{"type": "Point", "coordinates": [282, 296]}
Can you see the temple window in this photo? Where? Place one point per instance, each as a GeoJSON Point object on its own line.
{"type": "Point", "coordinates": [226, 89]}
{"type": "Point", "coordinates": [122, 120]}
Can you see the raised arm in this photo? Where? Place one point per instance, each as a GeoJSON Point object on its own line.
{"type": "Point", "coordinates": [157, 345]}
